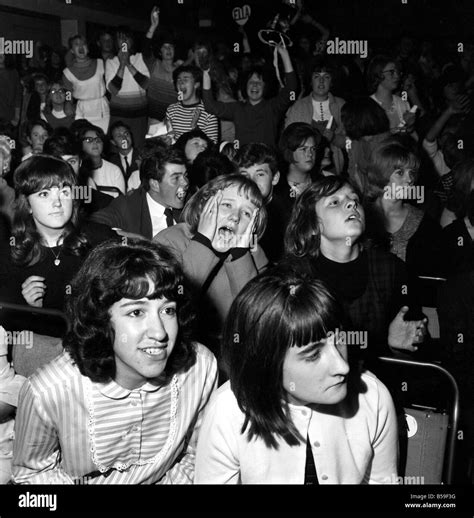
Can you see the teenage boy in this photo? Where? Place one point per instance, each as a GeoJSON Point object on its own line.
{"type": "Point", "coordinates": [125, 156]}
{"type": "Point", "coordinates": [258, 162]}
{"type": "Point", "coordinates": [189, 112]}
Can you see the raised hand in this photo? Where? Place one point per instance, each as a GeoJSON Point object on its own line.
{"type": "Point", "coordinates": [246, 239]}
{"type": "Point", "coordinates": [33, 290]}
{"type": "Point", "coordinates": [155, 17]}
{"type": "Point", "coordinates": [208, 219]}
{"type": "Point", "coordinates": [403, 334]}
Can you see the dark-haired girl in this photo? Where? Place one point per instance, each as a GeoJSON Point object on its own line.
{"type": "Point", "coordinates": [123, 403]}
{"type": "Point", "coordinates": [324, 238]}
{"type": "Point", "coordinates": [256, 119]}
{"type": "Point", "coordinates": [48, 242]}
{"type": "Point", "coordinates": [294, 411]}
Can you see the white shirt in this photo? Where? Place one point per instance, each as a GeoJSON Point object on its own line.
{"type": "Point", "coordinates": [129, 85]}
{"type": "Point", "coordinates": [348, 447]}
{"type": "Point", "coordinates": [157, 214]}
{"type": "Point", "coordinates": [134, 181]}
{"type": "Point", "coordinates": [321, 110]}
{"type": "Point", "coordinates": [108, 175]}
{"type": "Point", "coordinates": [128, 156]}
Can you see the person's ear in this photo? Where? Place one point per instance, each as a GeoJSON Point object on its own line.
{"type": "Point", "coordinates": [197, 85]}
{"type": "Point", "coordinates": [154, 185]}
{"type": "Point", "coordinates": [276, 178]}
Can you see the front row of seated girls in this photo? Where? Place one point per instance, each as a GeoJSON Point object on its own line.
{"type": "Point", "coordinates": [132, 399]}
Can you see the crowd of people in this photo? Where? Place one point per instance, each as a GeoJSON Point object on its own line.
{"type": "Point", "coordinates": [209, 226]}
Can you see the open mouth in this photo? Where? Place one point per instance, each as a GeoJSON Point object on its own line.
{"type": "Point", "coordinates": [181, 194]}
{"type": "Point", "coordinates": [226, 233]}
{"type": "Point", "coordinates": [353, 217]}
{"type": "Point", "coordinates": [158, 353]}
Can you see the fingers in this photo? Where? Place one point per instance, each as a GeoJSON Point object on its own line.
{"type": "Point", "coordinates": [32, 278]}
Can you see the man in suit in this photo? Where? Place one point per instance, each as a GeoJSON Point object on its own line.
{"type": "Point", "coordinates": [125, 156]}
{"type": "Point", "coordinates": [156, 204]}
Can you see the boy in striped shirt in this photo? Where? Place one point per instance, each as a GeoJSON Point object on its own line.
{"type": "Point", "coordinates": [189, 113]}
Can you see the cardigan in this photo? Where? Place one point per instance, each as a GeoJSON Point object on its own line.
{"type": "Point", "coordinates": [302, 111]}
{"type": "Point", "coordinates": [254, 123]}
{"type": "Point", "coordinates": [350, 444]}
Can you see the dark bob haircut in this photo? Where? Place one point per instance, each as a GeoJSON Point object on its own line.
{"type": "Point", "coordinates": [303, 233]}
{"type": "Point", "coordinates": [293, 136]}
{"type": "Point", "coordinates": [256, 153]}
{"type": "Point", "coordinates": [374, 71]}
{"type": "Point", "coordinates": [276, 310]}
{"type": "Point", "coordinates": [363, 118]}
{"type": "Point", "coordinates": [111, 272]}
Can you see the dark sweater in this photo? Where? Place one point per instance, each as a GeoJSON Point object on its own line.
{"type": "Point", "coordinates": [57, 280]}
{"type": "Point", "coordinates": [254, 123]}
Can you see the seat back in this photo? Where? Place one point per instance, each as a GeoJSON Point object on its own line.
{"type": "Point", "coordinates": [429, 426]}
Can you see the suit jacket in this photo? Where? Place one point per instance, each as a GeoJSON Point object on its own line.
{"type": "Point", "coordinates": [115, 159]}
{"type": "Point", "coordinates": [129, 213]}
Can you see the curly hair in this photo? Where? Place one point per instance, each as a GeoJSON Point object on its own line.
{"type": "Point", "coordinates": [303, 233]}
{"type": "Point", "coordinates": [110, 273]}
{"type": "Point", "coordinates": [33, 175]}
{"type": "Point", "coordinates": [193, 208]}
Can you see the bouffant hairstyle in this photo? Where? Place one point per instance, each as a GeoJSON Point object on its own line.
{"type": "Point", "coordinates": [114, 271]}
{"type": "Point", "coordinates": [294, 136]}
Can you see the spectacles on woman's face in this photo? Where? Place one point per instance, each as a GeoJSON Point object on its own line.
{"type": "Point", "coordinates": [90, 140]}
{"type": "Point", "coordinates": [58, 91]}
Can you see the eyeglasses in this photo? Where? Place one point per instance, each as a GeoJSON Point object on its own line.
{"type": "Point", "coordinates": [391, 71]}
{"type": "Point", "coordinates": [90, 140]}
{"type": "Point", "coordinates": [58, 91]}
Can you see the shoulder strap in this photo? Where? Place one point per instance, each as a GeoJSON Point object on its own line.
{"type": "Point", "coordinates": [212, 275]}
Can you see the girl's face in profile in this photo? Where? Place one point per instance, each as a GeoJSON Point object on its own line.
{"type": "Point", "coordinates": [341, 216]}
{"type": "Point", "coordinates": [193, 147]}
{"type": "Point", "coordinates": [51, 208]}
{"type": "Point", "coordinates": [316, 373]}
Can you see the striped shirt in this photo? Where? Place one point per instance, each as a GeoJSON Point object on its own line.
{"type": "Point", "coordinates": [72, 430]}
{"type": "Point", "coordinates": [185, 118]}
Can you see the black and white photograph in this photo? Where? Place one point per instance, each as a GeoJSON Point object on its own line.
{"type": "Point", "coordinates": [236, 249]}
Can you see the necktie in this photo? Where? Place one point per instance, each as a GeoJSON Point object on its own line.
{"type": "Point", "coordinates": [169, 217]}
{"type": "Point", "coordinates": [310, 476]}
{"type": "Point", "coordinates": [127, 167]}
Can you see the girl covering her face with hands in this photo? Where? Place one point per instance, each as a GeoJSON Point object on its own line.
{"type": "Point", "coordinates": [217, 243]}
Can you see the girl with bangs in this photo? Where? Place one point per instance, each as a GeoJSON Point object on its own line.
{"type": "Point", "coordinates": [294, 410]}
{"type": "Point", "coordinates": [48, 241]}
{"type": "Point", "coordinates": [217, 245]}
{"type": "Point", "coordinates": [395, 219]}
{"type": "Point", "coordinates": [325, 239]}
{"type": "Point", "coordinates": [123, 403]}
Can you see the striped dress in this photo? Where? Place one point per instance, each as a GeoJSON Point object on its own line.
{"type": "Point", "coordinates": [70, 430]}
